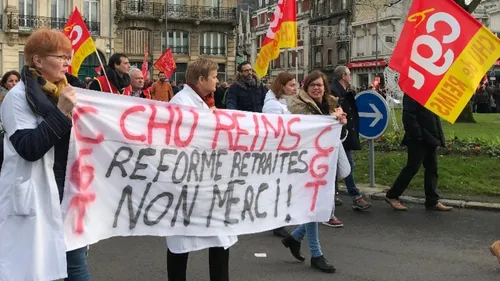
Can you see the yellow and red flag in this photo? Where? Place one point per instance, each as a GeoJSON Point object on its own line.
{"type": "Point", "coordinates": [282, 33]}
{"type": "Point", "coordinates": [83, 45]}
{"type": "Point", "coordinates": [449, 53]}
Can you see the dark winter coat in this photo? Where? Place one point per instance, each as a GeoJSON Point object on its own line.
{"type": "Point", "coordinates": [348, 104]}
{"type": "Point", "coordinates": [244, 98]}
{"type": "Point", "coordinates": [421, 124]}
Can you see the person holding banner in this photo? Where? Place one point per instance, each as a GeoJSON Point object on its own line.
{"type": "Point", "coordinates": [114, 78]}
{"type": "Point", "coordinates": [201, 81]}
{"type": "Point", "coordinates": [314, 99]}
{"type": "Point", "coordinates": [275, 103]}
{"type": "Point", "coordinates": [36, 115]}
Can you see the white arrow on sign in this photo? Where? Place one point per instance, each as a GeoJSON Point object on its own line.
{"type": "Point", "coordinates": [376, 115]}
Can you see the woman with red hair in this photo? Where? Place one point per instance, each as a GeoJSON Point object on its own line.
{"type": "Point", "coordinates": [36, 116]}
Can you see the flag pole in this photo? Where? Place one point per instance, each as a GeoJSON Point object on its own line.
{"type": "Point", "coordinates": [103, 69]}
{"type": "Point", "coordinates": [297, 54]}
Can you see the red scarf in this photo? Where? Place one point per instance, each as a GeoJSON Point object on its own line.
{"type": "Point", "coordinates": [209, 99]}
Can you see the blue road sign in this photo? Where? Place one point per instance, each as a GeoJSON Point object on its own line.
{"type": "Point", "coordinates": [373, 114]}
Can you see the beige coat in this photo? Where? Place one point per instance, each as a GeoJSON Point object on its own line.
{"type": "Point", "coordinates": [302, 103]}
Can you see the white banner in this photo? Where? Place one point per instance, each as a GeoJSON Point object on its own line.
{"type": "Point", "coordinates": [142, 167]}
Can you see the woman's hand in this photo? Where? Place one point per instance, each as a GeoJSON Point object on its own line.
{"type": "Point", "coordinates": [340, 116]}
{"type": "Point", "coordinates": [67, 100]}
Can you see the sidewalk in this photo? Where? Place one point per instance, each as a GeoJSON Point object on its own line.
{"type": "Point", "coordinates": [378, 193]}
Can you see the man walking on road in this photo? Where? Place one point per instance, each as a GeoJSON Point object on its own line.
{"type": "Point", "coordinates": [423, 135]}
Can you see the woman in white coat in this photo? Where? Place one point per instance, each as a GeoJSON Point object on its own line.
{"type": "Point", "coordinates": [36, 116]}
{"type": "Point", "coordinates": [201, 81]}
{"type": "Point", "coordinates": [275, 102]}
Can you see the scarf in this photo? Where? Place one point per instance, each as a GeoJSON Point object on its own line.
{"type": "Point", "coordinates": [120, 82]}
{"type": "Point", "coordinates": [249, 81]}
{"type": "Point", "coordinates": [324, 106]}
{"type": "Point", "coordinates": [50, 89]}
{"type": "Point", "coordinates": [209, 99]}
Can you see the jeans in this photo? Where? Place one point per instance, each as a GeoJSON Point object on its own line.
{"type": "Point", "coordinates": [77, 265]}
{"type": "Point", "coordinates": [349, 180]}
{"type": "Point", "coordinates": [311, 231]}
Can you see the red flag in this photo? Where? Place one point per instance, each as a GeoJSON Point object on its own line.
{"type": "Point", "coordinates": [145, 64]}
{"type": "Point", "coordinates": [166, 63]}
{"type": "Point", "coordinates": [83, 45]}
{"type": "Point", "coordinates": [98, 70]}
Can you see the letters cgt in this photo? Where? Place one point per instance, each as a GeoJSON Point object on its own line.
{"type": "Point", "coordinates": [142, 167]}
{"type": "Point", "coordinates": [450, 51]}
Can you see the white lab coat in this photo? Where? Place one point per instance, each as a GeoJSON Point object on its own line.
{"type": "Point", "coordinates": [185, 244]}
{"type": "Point", "coordinates": [32, 246]}
{"type": "Point", "coordinates": [273, 105]}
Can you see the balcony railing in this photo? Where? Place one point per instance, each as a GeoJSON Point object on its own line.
{"type": "Point", "coordinates": [28, 23]}
{"type": "Point", "coordinates": [156, 10]}
{"type": "Point", "coordinates": [184, 50]}
{"type": "Point", "coordinates": [212, 51]}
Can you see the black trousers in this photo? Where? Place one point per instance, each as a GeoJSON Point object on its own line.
{"type": "Point", "coordinates": [218, 260]}
{"type": "Point", "coordinates": [419, 153]}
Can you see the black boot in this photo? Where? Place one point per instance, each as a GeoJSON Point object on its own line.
{"type": "Point", "coordinates": [294, 247]}
{"type": "Point", "coordinates": [322, 264]}
{"type": "Point", "coordinates": [280, 232]}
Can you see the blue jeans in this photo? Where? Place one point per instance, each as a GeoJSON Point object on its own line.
{"type": "Point", "coordinates": [77, 265]}
{"type": "Point", "coordinates": [349, 180]}
{"type": "Point", "coordinates": [311, 231]}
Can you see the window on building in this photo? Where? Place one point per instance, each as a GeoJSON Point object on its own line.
{"type": "Point", "coordinates": [376, 45]}
{"type": "Point", "coordinates": [221, 73]}
{"type": "Point", "coordinates": [330, 3]}
{"type": "Point", "coordinates": [91, 10]}
{"type": "Point", "coordinates": [300, 57]}
{"type": "Point", "coordinates": [213, 44]}
{"type": "Point", "coordinates": [299, 7]}
{"type": "Point", "coordinates": [21, 60]}
{"type": "Point", "coordinates": [58, 8]}
{"type": "Point", "coordinates": [317, 58]}
{"type": "Point", "coordinates": [260, 3]}
{"type": "Point", "coordinates": [178, 41]}
{"type": "Point", "coordinates": [344, 4]}
{"type": "Point", "coordinates": [27, 7]}
{"type": "Point", "coordinates": [299, 34]}
{"type": "Point", "coordinates": [180, 73]}
{"type": "Point", "coordinates": [342, 27]}
{"type": "Point", "coordinates": [291, 59]}
{"type": "Point", "coordinates": [282, 59]}
{"type": "Point", "coordinates": [343, 54]}
{"type": "Point", "coordinates": [330, 57]}
{"type": "Point", "coordinates": [360, 46]}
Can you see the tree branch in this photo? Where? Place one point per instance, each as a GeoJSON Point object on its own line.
{"type": "Point", "coordinates": [394, 2]}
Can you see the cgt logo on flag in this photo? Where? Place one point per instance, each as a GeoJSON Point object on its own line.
{"type": "Point", "coordinates": [450, 51]}
{"type": "Point", "coordinates": [81, 41]}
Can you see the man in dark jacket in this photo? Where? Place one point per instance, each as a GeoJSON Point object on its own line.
{"type": "Point", "coordinates": [423, 135]}
{"type": "Point", "coordinates": [340, 89]}
{"type": "Point", "coordinates": [246, 93]}
{"type": "Point", "coordinates": [116, 78]}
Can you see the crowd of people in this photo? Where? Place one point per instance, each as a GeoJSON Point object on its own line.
{"type": "Point", "coordinates": [36, 116]}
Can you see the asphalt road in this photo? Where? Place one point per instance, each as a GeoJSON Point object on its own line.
{"type": "Point", "coordinates": [376, 245]}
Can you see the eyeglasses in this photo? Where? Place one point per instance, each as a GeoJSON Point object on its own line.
{"type": "Point", "coordinates": [316, 85]}
{"type": "Point", "coordinates": [246, 70]}
{"type": "Point", "coordinates": [61, 57]}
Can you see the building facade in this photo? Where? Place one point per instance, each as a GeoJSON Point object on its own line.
{"type": "Point", "coordinates": [488, 12]}
{"type": "Point", "coordinates": [196, 28]}
{"type": "Point", "coordinates": [20, 17]}
{"type": "Point", "coordinates": [330, 34]}
{"type": "Point", "coordinates": [129, 26]}
{"type": "Point", "coordinates": [294, 60]}
{"type": "Point", "coordinates": [375, 30]}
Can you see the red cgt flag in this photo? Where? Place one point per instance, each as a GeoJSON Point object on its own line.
{"type": "Point", "coordinates": [81, 41]}
{"type": "Point", "coordinates": [145, 64]}
{"type": "Point", "coordinates": [166, 63]}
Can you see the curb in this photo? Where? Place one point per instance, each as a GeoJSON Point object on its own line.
{"type": "Point", "coordinates": [378, 193]}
